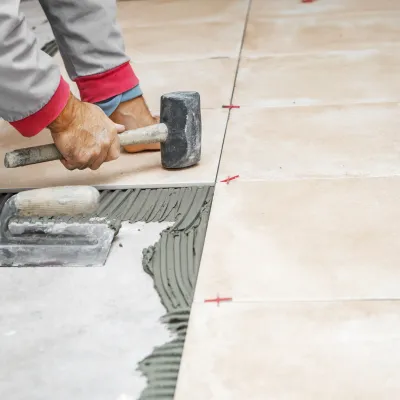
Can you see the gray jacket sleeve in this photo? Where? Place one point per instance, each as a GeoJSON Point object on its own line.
{"type": "Point", "coordinates": [92, 47]}
{"type": "Point", "coordinates": [32, 92]}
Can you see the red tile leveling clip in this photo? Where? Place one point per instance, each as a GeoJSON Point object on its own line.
{"type": "Point", "coordinates": [229, 178]}
{"type": "Point", "coordinates": [218, 300]}
{"type": "Point", "coordinates": [230, 106]}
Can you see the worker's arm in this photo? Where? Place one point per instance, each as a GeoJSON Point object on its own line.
{"type": "Point", "coordinates": [34, 96]}
{"type": "Point", "coordinates": [32, 92]}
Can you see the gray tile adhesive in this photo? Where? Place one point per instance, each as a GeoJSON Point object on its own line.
{"type": "Point", "coordinates": [173, 263]}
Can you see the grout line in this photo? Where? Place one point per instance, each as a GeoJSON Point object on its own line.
{"type": "Point", "coordinates": [328, 14]}
{"type": "Point", "coordinates": [234, 85]}
{"type": "Point", "coordinates": [306, 301]}
{"type": "Point", "coordinates": [245, 179]}
{"type": "Point", "coordinates": [184, 59]}
{"type": "Point", "coordinates": [375, 49]}
{"type": "Point", "coordinates": [166, 185]}
{"type": "Point", "coordinates": [276, 106]}
{"type": "Point", "coordinates": [366, 102]}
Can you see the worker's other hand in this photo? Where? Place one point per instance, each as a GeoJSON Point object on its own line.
{"type": "Point", "coordinates": [85, 136]}
{"type": "Point", "coordinates": [134, 114]}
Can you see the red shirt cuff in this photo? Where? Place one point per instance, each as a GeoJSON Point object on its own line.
{"type": "Point", "coordinates": [32, 125]}
{"type": "Point", "coordinates": [99, 87]}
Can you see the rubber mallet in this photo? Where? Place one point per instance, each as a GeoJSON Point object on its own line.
{"type": "Point", "coordinates": [179, 134]}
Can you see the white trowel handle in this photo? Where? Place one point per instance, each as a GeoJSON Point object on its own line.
{"type": "Point", "coordinates": [57, 201]}
{"type": "Point", "coordinates": [48, 152]}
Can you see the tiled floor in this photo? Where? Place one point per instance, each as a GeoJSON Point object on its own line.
{"type": "Point", "coordinates": [195, 48]}
{"type": "Point", "coordinates": [299, 351]}
{"type": "Point", "coordinates": [130, 170]}
{"type": "Point", "coordinates": [306, 240]}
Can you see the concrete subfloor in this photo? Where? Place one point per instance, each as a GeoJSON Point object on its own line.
{"type": "Point", "coordinates": [78, 333]}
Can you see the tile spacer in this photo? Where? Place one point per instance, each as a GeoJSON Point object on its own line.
{"type": "Point", "coordinates": [230, 106]}
{"type": "Point", "coordinates": [218, 300]}
{"type": "Point", "coordinates": [229, 178]}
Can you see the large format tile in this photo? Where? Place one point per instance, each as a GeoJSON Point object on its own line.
{"type": "Point", "coordinates": [212, 78]}
{"type": "Point", "coordinates": [286, 351]}
{"type": "Point", "coordinates": [366, 76]}
{"type": "Point", "coordinates": [316, 33]}
{"type": "Point", "coordinates": [183, 41]}
{"type": "Point", "coordinates": [303, 142]}
{"type": "Point", "coordinates": [130, 170]}
{"type": "Point", "coordinates": [179, 30]}
{"type": "Point", "coordinates": [262, 8]}
{"type": "Point", "coordinates": [171, 12]}
{"type": "Point", "coordinates": [322, 239]}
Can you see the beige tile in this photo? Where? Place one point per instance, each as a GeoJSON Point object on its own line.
{"type": "Point", "coordinates": [130, 170]}
{"type": "Point", "coordinates": [316, 33]}
{"type": "Point", "coordinates": [304, 142]}
{"type": "Point", "coordinates": [212, 78]}
{"type": "Point", "coordinates": [367, 76]}
{"type": "Point", "coordinates": [323, 239]}
{"type": "Point", "coordinates": [183, 41]}
{"type": "Point", "coordinates": [306, 351]}
{"type": "Point", "coordinates": [171, 12]}
{"type": "Point", "coordinates": [262, 8]}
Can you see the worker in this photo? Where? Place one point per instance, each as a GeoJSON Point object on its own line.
{"type": "Point", "coordinates": [33, 94]}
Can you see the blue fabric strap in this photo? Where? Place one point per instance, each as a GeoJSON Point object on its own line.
{"type": "Point", "coordinates": [111, 104]}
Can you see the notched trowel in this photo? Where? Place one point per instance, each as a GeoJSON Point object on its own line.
{"type": "Point", "coordinates": [27, 239]}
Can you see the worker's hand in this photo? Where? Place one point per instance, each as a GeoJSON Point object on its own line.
{"type": "Point", "coordinates": [134, 114]}
{"type": "Point", "coordinates": [85, 136]}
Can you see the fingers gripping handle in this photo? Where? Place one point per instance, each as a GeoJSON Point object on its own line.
{"type": "Point", "coordinates": [149, 134]}
{"type": "Point", "coordinates": [57, 201]}
{"type": "Point", "coordinates": [49, 152]}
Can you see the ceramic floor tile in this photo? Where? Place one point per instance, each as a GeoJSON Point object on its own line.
{"type": "Point", "coordinates": [306, 351]}
{"type": "Point", "coordinates": [324, 33]}
{"type": "Point", "coordinates": [304, 142]}
{"type": "Point", "coordinates": [367, 76]}
{"type": "Point", "coordinates": [262, 8]}
{"type": "Point", "coordinates": [171, 12]}
{"type": "Point", "coordinates": [183, 41]}
{"type": "Point", "coordinates": [212, 78]}
{"type": "Point", "coordinates": [130, 170]}
{"type": "Point", "coordinates": [322, 239]}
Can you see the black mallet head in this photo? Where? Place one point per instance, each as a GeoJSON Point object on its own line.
{"type": "Point", "coordinates": [180, 111]}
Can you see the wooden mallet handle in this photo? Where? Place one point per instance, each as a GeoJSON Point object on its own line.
{"type": "Point", "coordinates": [49, 152]}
